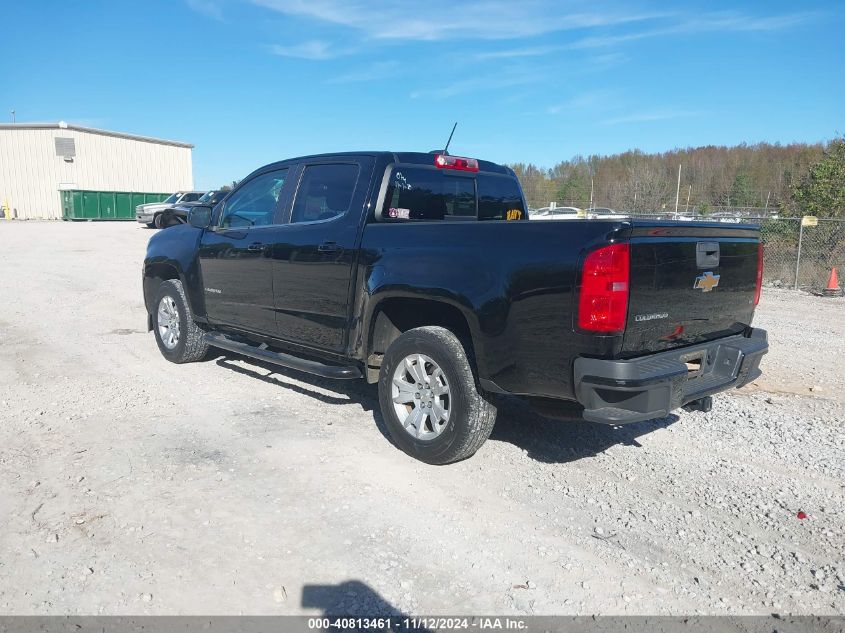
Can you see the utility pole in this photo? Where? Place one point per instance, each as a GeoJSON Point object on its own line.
{"type": "Point", "coordinates": [689, 191]}
{"type": "Point", "coordinates": [591, 192]}
{"type": "Point", "coordinates": [678, 190]}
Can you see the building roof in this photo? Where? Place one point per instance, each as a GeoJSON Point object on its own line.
{"type": "Point", "coordinates": [90, 130]}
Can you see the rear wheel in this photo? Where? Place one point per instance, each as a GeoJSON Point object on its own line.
{"type": "Point", "coordinates": [429, 399]}
{"type": "Point", "coordinates": [179, 339]}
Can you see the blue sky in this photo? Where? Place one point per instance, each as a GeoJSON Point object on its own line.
{"type": "Point", "coordinates": [253, 81]}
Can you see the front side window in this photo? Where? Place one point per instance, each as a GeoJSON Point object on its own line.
{"type": "Point", "coordinates": [499, 198]}
{"type": "Point", "coordinates": [428, 194]}
{"type": "Point", "coordinates": [254, 204]}
{"type": "Point", "coordinates": [325, 192]}
{"type": "Point", "coordinates": [190, 197]}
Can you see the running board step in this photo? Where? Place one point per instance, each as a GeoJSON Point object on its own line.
{"type": "Point", "coordinates": [285, 360]}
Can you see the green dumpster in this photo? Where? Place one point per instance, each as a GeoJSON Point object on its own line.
{"type": "Point", "coordinates": [78, 204]}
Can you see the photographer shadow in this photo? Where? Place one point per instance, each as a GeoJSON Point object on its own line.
{"type": "Point", "coordinates": [349, 598]}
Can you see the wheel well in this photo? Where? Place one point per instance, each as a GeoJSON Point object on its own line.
{"type": "Point", "coordinates": [154, 274]}
{"type": "Point", "coordinates": [395, 316]}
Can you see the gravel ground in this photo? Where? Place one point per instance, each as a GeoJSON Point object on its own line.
{"type": "Point", "coordinates": [132, 485]}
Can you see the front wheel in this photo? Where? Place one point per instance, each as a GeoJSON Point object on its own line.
{"type": "Point", "coordinates": [179, 339]}
{"type": "Point", "coordinates": [429, 399]}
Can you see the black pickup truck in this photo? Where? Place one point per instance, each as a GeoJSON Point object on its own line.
{"type": "Point", "coordinates": [421, 272]}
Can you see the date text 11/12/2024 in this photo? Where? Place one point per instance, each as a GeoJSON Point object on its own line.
{"type": "Point", "coordinates": [417, 623]}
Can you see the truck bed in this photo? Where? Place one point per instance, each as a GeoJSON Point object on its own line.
{"type": "Point", "coordinates": [518, 283]}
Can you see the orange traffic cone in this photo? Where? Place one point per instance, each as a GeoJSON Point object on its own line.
{"type": "Point", "coordinates": [833, 289]}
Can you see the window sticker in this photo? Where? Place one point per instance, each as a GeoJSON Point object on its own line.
{"type": "Point", "coordinates": [399, 214]}
{"type": "Point", "coordinates": [400, 182]}
{"type": "Point", "coordinates": [514, 214]}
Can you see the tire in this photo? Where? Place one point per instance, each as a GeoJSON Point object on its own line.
{"type": "Point", "coordinates": [158, 220]}
{"type": "Point", "coordinates": [470, 417]}
{"type": "Point", "coordinates": [179, 339]}
{"type": "Point", "coordinates": [151, 225]}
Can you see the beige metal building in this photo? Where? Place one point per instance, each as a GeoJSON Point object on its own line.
{"type": "Point", "coordinates": [39, 161]}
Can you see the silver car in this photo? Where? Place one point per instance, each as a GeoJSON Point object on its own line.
{"type": "Point", "coordinates": [604, 213]}
{"type": "Point", "coordinates": [150, 213]}
{"type": "Point", "coordinates": [557, 213]}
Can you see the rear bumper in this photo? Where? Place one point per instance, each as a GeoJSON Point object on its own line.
{"type": "Point", "coordinates": [623, 391]}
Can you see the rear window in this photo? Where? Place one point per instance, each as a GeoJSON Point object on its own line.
{"type": "Point", "coordinates": [433, 194]}
{"type": "Point", "coordinates": [499, 198]}
{"type": "Point", "coordinates": [429, 194]}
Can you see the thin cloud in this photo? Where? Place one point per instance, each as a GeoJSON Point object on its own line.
{"type": "Point", "coordinates": [379, 70]}
{"type": "Point", "coordinates": [209, 8]}
{"type": "Point", "coordinates": [606, 41]}
{"type": "Point", "coordinates": [595, 100]}
{"type": "Point", "coordinates": [648, 117]}
{"type": "Point", "coordinates": [722, 22]}
{"type": "Point", "coordinates": [512, 53]}
{"type": "Point", "coordinates": [479, 19]}
{"type": "Point", "coordinates": [478, 84]}
{"type": "Point", "coordinates": [732, 21]}
{"type": "Point", "coordinates": [314, 50]}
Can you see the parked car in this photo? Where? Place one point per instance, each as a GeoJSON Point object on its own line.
{"type": "Point", "coordinates": [150, 213]}
{"type": "Point", "coordinates": [421, 273]}
{"type": "Point", "coordinates": [178, 213]}
{"type": "Point", "coordinates": [726, 217]}
{"type": "Point", "coordinates": [557, 213]}
{"type": "Point", "coordinates": [680, 217]}
{"type": "Point", "coordinates": [603, 213]}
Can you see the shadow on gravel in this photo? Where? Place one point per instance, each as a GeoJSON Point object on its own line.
{"type": "Point", "coordinates": [543, 439]}
{"type": "Point", "coordinates": [566, 440]}
{"type": "Point", "coordinates": [355, 391]}
{"type": "Point", "coordinates": [350, 598]}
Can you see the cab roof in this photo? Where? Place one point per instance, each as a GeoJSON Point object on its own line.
{"type": "Point", "coordinates": [412, 158]}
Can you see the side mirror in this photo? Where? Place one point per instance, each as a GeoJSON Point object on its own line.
{"type": "Point", "coordinates": [200, 217]}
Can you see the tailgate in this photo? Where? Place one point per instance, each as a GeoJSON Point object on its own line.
{"type": "Point", "coordinates": [689, 283]}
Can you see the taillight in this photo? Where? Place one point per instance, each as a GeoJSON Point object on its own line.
{"type": "Point", "coordinates": [603, 303]}
{"type": "Point", "coordinates": [444, 161]}
{"type": "Point", "coordinates": [759, 285]}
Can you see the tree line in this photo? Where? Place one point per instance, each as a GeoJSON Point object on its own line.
{"type": "Point", "coordinates": [793, 178]}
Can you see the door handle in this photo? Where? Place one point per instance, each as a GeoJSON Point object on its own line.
{"type": "Point", "coordinates": [329, 247]}
{"type": "Point", "coordinates": [256, 247]}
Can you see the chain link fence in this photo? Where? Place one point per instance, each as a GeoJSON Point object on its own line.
{"type": "Point", "coordinates": [801, 257]}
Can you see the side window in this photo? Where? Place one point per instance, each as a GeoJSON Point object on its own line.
{"type": "Point", "coordinates": [428, 194]}
{"type": "Point", "coordinates": [254, 204]}
{"type": "Point", "coordinates": [191, 197]}
{"type": "Point", "coordinates": [325, 192]}
{"type": "Point", "coordinates": [499, 198]}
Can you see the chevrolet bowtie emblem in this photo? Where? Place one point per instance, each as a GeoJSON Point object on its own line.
{"type": "Point", "coordinates": [706, 281]}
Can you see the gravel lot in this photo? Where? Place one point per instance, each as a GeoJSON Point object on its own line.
{"type": "Point", "coordinates": [132, 485]}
